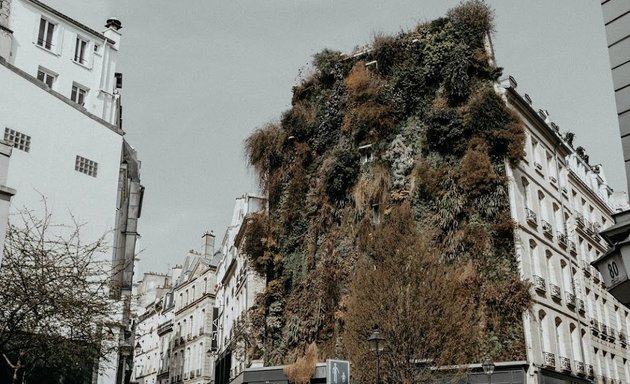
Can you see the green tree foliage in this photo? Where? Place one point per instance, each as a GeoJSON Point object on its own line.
{"type": "Point", "coordinates": [440, 138]}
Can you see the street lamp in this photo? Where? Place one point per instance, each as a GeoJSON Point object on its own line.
{"type": "Point", "coordinates": [377, 343]}
{"type": "Point", "coordinates": [488, 368]}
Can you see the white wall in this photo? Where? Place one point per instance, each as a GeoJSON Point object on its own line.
{"type": "Point", "coordinates": [97, 74]}
{"type": "Point", "coordinates": [58, 134]}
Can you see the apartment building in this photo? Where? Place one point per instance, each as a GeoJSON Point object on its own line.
{"type": "Point", "coordinates": [71, 58]}
{"type": "Point", "coordinates": [238, 285]}
{"type": "Point", "coordinates": [69, 157]}
{"type": "Point", "coordinates": [576, 331]}
{"type": "Point", "coordinates": [192, 331]}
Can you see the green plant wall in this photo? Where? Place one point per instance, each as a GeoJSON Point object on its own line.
{"type": "Point", "coordinates": [422, 107]}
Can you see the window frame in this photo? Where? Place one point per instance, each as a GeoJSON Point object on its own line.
{"type": "Point", "coordinates": [78, 93]}
{"type": "Point", "coordinates": [46, 75]}
{"type": "Point", "coordinates": [86, 166]}
{"type": "Point", "coordinates": [17, 139]}
{"type": "Point", "coordinates": [81, 54]}
{"type": "Point", "coordinates": [46, 35]}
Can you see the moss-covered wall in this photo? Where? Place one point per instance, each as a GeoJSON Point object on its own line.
{"type": "Point", "coordinates": [440, 139]}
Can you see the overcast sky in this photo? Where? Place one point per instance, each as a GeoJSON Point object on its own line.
{"type": "Point", "coordinates": [201, 75]}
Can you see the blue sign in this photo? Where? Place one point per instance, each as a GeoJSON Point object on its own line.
{"type": "Point", "coordinates": [337, 372]}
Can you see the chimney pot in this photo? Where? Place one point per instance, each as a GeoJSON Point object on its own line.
{"type": "Point", "coordinates": [113, 23]}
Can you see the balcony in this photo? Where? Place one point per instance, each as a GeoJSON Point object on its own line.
{"type": "Point", "coordinates": [586, 267]}
{"type": "Point", "coordinates": [549, 359]}
{"type": "Point", "coordinates": [588, 226]}
{"type": "Point", "coordinates": [595, 274]}
{"type": "Point", "coordinates": [596, 228]}
{"type": "Point", "coordinates": [556, 293]}
{"type": "Point", "coordinates": [579, 219]}
{"type": "Point", "coordinates": [603, 334]}
{"type": "Point", "coordinates": [531, 217]}
{"type": "Point", "coordinates": [580, 368]}
{"type": "Point", "coordinates": [198, 372]}
{"type": "Point", "coordinates": [590, 371]}
{"type": "Point", "coordinates": [547, 229]}
{"type": "Point", "coordinates": [570, 297]}
{"type": "Point", "coordinates": [572, 248]}
{"type": "Point", "coordinates": [538, 166]}
{"type": "Point", "coordinates": [623, 340]}
{"type": "Point", "coordinates": [562, 239]}
{"type": "Point", "coordinates": [565, 364]}
{"type": "Point", "coordinates": [553, 179]}
{"type": "Point", "coordinates": [581, 306]}
{"type": "Point", "coordinates": [594, 327]}
{"type": "Point", "coordinates": [201, 331]}
{"type": "Point", "coordinates": [539, 284]}
{"type": "Point", "coordinates": [612, 334]}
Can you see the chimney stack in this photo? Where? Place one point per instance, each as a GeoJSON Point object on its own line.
{"type": "Point", "coordinates": [112, 31]}
{"type": "Point", "coordinates": [208, 244]}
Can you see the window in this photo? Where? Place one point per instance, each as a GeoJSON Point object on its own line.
{"type": "Point", "coordinates": [46, 77]}
{"type": "Point", "coordinates": [80, 51]}
{"type": "Point", "coordinates": [86, 166]}
{"type": "Point", "coordinates": [78, 94]}
{"type": "Point", "coordinates": [46, 33]}
{"type": "Point", "coordinates": [17, 139]}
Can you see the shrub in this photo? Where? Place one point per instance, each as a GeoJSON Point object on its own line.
{"type": "Point", "coordinates": [265, 150]}
{"type": "Point", "coordinates": [445, 131]}
{"type": "Point", "coordinates": [473, 19]}
{"type": "Point", "coordinates": [340, 173]}
{"type": "Point", "coordinates": [477, 174]}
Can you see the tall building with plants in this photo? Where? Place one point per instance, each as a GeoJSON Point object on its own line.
{"type": "Point", "coordinates": [408, 188]}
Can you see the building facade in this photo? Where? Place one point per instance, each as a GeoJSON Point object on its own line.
{"type": "Point", "coordinates": [65, 97]}
{"type": "Point", "coordinates": [617, 24]}
{"type": "Point", "coordinates": [575, 331]}
{"type": "Point", "coordinates": [194, 301]}
{"type": "Point", "coordinates": [237, 287]}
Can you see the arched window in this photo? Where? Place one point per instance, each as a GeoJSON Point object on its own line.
{"type": "Point", "coordinates": [552, 268]}
{"type": "Point", "coordinates": [526, 193]}
{"type": "Point", "coordinates": [561, 338]}
{"type": "Point", "coordinates": [544, 331]}
{"type": "Point", "coordinates": [576, 346]}
{"type": "Point", "coordinates": [542, 207]}
{"type": "Point", "coordinates": [557, 216]}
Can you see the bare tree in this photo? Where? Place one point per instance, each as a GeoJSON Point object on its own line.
{"type": "Point", "coordinates": [52, 301]}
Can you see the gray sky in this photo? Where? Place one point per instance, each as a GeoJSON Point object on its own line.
{"type": "Point", "coordinates": [200, 75]}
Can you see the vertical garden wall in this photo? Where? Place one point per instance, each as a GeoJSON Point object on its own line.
{"type": "Point", "coordinates": [388, 205]}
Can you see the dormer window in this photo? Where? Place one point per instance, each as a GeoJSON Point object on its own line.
{"type": "Point", "coordinates": [46, 34]}
{"type": "Point", "coordinates": [80, 51]}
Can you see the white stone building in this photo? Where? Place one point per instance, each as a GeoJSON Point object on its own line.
{"type": "Point", "coordinates": [576, 331]}
{"type": "Point", "coordinates": [238, 285]}
{"type": "Point", "coordinates": [146, 363]}
{"type": "Point", "coordinates": [62, 117]}
{"type": "Point", "coordinates": [192, 331]}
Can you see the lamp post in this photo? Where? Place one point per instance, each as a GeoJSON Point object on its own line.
{"type": "Point", "coordinates": [488, 368]}
{"type": "Point", "coordinates": [377, 343]}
